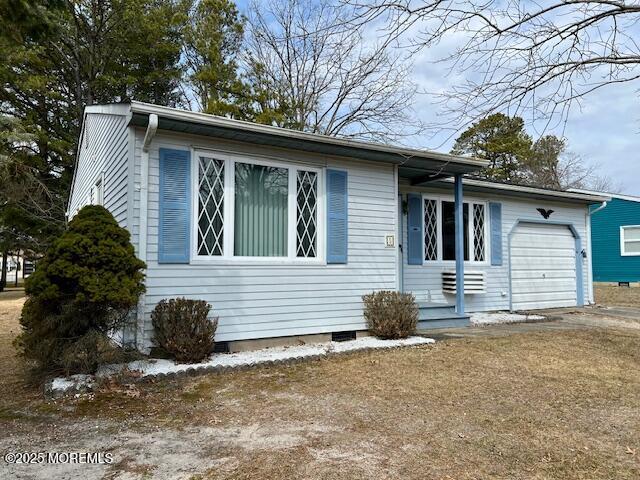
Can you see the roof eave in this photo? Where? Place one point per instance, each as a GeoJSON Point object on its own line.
{"type": "Point", "coordinates": [474, 185]}
{"type": "Point", "coordinates": [412, 162]}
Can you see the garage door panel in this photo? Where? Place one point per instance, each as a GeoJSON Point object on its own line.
{"type": "Point", "coordinates": [532, 264]}
{"type": "Point", "coordinates": [555, 285]}
{"type": "Point", "coordinates": [533, 305]}
{"type": "Point", "coordinates": [546, 241]}
{"type": "Point", "coordinates": [543, 267]}
{"type": "Point", "coordinates": [549, 254]}
{"type": "Point", "coordinates": [540, 294]}
{"type": "Point", "coordinates": [561, 273]}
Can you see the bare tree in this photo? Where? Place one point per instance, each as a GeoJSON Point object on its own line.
{"type": "Point", "coordinates": [311, 73]}
{"type": "Point", "coordinates": [523, 57]}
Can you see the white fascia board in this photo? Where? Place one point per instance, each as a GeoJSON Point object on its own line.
{"type": "Point", "coordinates": [207, 119]}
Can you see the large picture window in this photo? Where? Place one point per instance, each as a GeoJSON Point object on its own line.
{"type": "Point", "coordinates": [440, 230]}
{"type": "Point", "coordinates": [255, 209]}
{"type": "Point", "coordinates": [630, 240]}
{"type": "Point", "coordinates": [261, 199]}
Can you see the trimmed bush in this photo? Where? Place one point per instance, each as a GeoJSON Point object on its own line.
{"type": "Point", "coordinates": [84, 288]}
{"type": "Point", "coordinates": [390, 314]}
{"type": "Point", "coordinates": [182, 329]}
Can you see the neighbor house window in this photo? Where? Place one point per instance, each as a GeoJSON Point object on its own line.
{"type": "Point", "coordinates": [630, 240]}
{"type": "Point", "coordinates": [256, 209]}
{"type": "Point", "coordinates": [440, 229]}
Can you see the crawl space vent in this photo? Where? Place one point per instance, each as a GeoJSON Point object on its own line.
{"type": "Point", "coordinates": [343, 336]}
{"type": "Point", "coordinates": [221, 347]}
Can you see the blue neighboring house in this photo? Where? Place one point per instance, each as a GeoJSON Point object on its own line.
{"type": "Point", "coordinates": [615, 236]}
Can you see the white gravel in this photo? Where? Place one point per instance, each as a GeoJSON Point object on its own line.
{"type": "Point", "coordinates": [154, 367]}
{"type": "Point", "coordinates": [502, 317]}
{"type": "Point", "coordinates": [159, 366]}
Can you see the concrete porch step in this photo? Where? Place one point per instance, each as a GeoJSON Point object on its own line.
{"type": "Point", "coordinates": [440, 315]}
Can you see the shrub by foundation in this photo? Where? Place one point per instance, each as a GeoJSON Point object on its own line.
{"type": "Point", "coordinates": [182, 329]}
{"type": "Point", "coordinates": [390, 314]}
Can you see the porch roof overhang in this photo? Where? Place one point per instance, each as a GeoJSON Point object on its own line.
{"type": "Point", "coordinates": [416, 165]}
{"type": "Point", "coordinates": [523, 191]}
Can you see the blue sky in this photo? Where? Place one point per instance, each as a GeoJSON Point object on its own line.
{"type": "Point", "coordinates": [604, 130]}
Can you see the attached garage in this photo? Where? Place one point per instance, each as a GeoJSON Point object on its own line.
{"type": "Point", "coordinates": [543, 267]}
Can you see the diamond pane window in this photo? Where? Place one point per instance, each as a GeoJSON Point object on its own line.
{"type": "Point", "coordinates": [430, 229]}
{"type": "Point", "coordinates": [210, 206]}
{"type": "Point", "coordinates": [307, 223]}
{"type": "Point", "coordinates": [478, 233]}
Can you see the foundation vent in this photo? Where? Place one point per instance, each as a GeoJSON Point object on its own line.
{"type": "Point", "coordinates": [221, 347]}
{"type": "Point", "coordinates": [343, 336]}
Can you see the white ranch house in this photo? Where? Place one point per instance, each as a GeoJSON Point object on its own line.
{"type": "Point", "coordinates": [282, 232]}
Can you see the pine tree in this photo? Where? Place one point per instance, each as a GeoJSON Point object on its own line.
{"type": "Point", "coordinates": [84, 288]}
{"type": "Point", "coordinates": [503, 141]}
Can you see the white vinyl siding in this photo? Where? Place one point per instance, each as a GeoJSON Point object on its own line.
{"type": "Point", "coordinates": [101, 175]}
{"type": "Point", "coordinates": [265, 297]}
{"type": "Point", "coordinates": [630, 240]}
{"type": "Point", "coordinates": [425, 281]}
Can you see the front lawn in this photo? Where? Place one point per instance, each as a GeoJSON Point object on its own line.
{"type": "Point", "coordinates": [617, 296]}
{"type": "Point", "coordinates": [539, 405]}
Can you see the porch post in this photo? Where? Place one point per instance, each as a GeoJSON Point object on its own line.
{"type": "Point", "coordinates": [459, 220]}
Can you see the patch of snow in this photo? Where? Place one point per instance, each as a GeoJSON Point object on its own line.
{"type": "Point", "coordinates": [160, 366]}
{"type": "Point", "coordinates": [75, 383]}
{"type": "Point", "coordinates": [502, 317]}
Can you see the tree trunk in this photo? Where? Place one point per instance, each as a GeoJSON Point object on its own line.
{"type": "Point", "coordinates": [3, 276]}
{"type": "Point", "coordinates": [17, 268]}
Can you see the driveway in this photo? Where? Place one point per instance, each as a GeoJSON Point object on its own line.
{"type": "Point", "coordinates": [559, 319]}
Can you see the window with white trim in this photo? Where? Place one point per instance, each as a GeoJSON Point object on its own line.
{"type": "Point", "coordinates": [96, 193]}
{"type": "Point", "coordinates": [253, 208]}
{"type": "Point", "coordinates": [439, 230]}
{"type": "Point", "coordinates": [307, 207]}
{"type": "Point", "coordinates": [210, 206]}
{"type": "Point", "coordinates": [630, 240]}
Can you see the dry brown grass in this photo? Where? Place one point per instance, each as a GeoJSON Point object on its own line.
{"type": "Point", "coordinates": [15, 391]}
{"type": "Point", "coordinates": [617, 296]}
{"type": "Point", "coordinates": [540, 405]}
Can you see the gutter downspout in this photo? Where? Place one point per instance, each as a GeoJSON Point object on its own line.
{"type": "Point", "coordinates": [152, 128]}
{"type": "Point", "coordinates": [590, 212]}
{"type": "Point", "coordinates": [602, 205]}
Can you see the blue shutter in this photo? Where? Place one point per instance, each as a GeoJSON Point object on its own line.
{"type": "Point", "coordinates": [175, 211]}
{"type": "Point", "coordinates": [495, 211]}
{"type": "Point", "coordinates": [337, 220]}
{"type": "Point", "coordinates": [415, 245]}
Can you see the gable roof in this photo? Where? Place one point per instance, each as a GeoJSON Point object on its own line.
{"type": "Point", "coordinates": [417, 165]}
{"type": "Point", "coordinates": [420, 167]}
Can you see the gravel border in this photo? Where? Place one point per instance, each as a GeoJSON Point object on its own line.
{"type": "Point", "coordinates": [81, 384]}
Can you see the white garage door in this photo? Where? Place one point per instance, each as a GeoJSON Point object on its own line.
{"type": "Point", "coordinates": [543, 267]}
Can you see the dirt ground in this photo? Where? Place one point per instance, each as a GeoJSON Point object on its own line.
{"type": "Point", "coordinates": [554, 401]}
